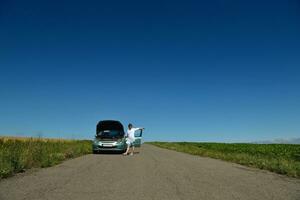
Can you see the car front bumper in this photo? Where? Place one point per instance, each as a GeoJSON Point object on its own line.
{"type": "Point", "coordinates": [116, 147]}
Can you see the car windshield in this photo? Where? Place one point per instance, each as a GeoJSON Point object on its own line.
{"type": "Point", "coordinates": [110, 134]}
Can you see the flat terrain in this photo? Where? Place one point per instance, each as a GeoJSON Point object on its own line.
{"type": "Point", "coordinates": [18, 154]}
{"type": "Point", "coordinates": [153, 173]}
{"type": "Point", "coordinates": [279, 158]}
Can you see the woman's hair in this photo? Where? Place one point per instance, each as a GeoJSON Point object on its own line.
{"type": "Point", "coordinates": [129, 125]}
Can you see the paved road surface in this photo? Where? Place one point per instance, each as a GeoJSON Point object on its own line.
{"type": "Point", "coordinates": [153, 173]}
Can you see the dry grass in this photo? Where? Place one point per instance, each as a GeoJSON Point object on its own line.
{"type": "Point", "coordinates": [20, 153]}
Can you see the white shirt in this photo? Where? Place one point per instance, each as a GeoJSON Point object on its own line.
{"type": "Point", "coordinates": [130, 133]}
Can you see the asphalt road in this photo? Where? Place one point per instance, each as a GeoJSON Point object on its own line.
{"type": "Point", "coordinates": [153, 173]}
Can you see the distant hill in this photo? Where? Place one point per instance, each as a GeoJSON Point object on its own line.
{"type": "Point", "coordinates": [280, 141]}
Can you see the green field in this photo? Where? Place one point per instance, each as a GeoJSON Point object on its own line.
{"type": "Point", "coordinates": [19, 154]}
{"type": "Point", "coordinates": [279, 158]}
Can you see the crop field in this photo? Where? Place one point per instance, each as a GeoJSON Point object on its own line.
{"type": "Point", "coordinates": [19, 154]}
{"type": "Point", "coordinates": [279, 158]}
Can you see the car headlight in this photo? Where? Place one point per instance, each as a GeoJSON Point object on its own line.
{"type": "Point", "coordinates": [120, 140]}
{"type": "Point", "coordinates": [96, 142]}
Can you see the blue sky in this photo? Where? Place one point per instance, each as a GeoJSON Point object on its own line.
{"type": "Point", "coordinates": [186, 70]}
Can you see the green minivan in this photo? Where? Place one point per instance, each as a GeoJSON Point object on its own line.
{"type": "Point", "coordinates": [110, 137]}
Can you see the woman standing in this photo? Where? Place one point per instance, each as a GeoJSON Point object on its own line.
{"type": "Point", "coordinates": [130, 138]}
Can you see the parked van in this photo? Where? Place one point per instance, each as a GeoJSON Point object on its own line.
{"type": "Point", "coordinates": [110, 136]}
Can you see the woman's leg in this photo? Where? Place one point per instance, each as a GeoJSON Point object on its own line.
{"type": "Point", "coordinates": [126, 150]}
{"type": "Point", "coordinates": [132, 149]}
{"type": "Point", "coordinates": [128, 146]}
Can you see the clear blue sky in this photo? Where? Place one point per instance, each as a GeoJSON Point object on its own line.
{"type": "Point", "coordinates": [210, 70]}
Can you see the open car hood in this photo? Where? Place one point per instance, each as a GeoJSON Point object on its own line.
{"type": "Point", "coordinates": [109, 125]}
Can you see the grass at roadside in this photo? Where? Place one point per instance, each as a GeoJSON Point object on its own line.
{"type": "Point", "coordinates": [19, 154]}
{"type": "Point", "coordinates": [279, 158]}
